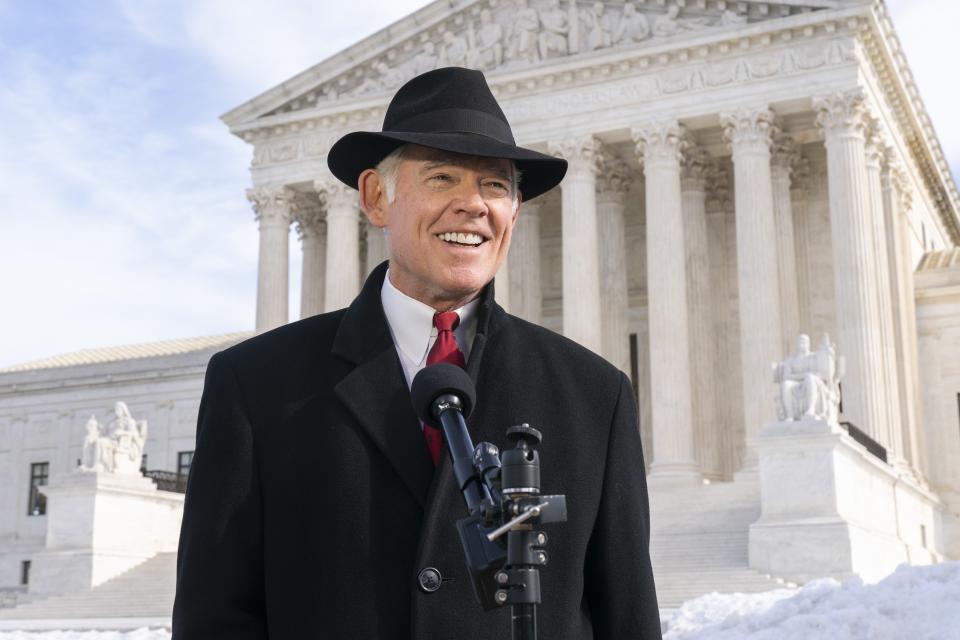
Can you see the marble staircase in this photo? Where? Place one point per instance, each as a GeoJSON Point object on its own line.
{"type": "Point", "coordinates": [142, 593]}
{"type": "Point", "coordinates": [698, 545]}
{"type": "Point", "coordinates": [699, 540]}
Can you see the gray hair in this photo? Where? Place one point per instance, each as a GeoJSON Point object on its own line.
{"type": "Point", "coordinates": [389, 168]}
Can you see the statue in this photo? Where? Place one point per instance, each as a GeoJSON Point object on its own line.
{"type": "Point", "coordinates": [387, 80]}
{"type": "Point", "coordinates": [97, 451]}
{"type": "Point", "coordinates": [489, 51]}
{"type": "Point", "coordinates": [456, 51]}
{"type": "Point", "coordinates": [526, 24]}
{"type": "Point", "coordinates": [809, 382]}
{"type": "Point", "coordinates": [119, 452]}
{"type": "Point", "coordinates": [425, 60]}
{"type": "Point", "coordinates": [599, 27]}
{"type": "Point", "coordinates": [670, 24]}
{"type": "Point", "coordinates": [730, 18]}
{"type": "Point", "coordinates": [633, 26]}
{"type": "Point", "coordinates": [553, 37]}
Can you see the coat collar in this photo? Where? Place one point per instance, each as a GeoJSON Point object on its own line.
{"type": "Point", "coordinates": [376, 392]}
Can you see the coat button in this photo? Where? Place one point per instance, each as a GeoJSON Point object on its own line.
{"type": "Point", "coordinates": [429, 579]}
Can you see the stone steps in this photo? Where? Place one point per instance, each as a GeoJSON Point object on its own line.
{"type": "Point", "coordinates": [699, 537]}
{"type": "Point", "coordinates": [145, 591]}
{"type": "Point", "coordinates": [698, 545]}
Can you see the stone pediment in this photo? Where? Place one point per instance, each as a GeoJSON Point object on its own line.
{"type": "Point", "coordinates": [502, 35]}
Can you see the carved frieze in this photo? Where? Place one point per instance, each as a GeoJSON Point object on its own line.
{"type": "Point", "coordinates": [513, 33]}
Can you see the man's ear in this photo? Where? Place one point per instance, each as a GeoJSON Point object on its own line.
{"type": "Point", "coordinates": [373, 197]}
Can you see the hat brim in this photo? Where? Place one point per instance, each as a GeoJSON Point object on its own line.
{"type": "Point", "coordinates": [356, 152]}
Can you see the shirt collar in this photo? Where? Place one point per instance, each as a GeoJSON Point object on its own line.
{"type": "Point", "coordinates": [411, 321]}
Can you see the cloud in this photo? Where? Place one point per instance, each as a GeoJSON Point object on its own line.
{"type": "Point", "coordinates": [256, 45]}
{"type": "Point", "coordinates": [122, 224]}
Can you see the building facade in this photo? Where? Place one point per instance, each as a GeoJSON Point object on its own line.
{"type": "Point", "coordinates": [740, 173]}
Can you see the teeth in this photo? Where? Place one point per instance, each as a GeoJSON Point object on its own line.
{"type": "Point", "coordinates": [461, 238]}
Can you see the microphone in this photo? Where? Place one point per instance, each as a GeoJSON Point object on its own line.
{"type": "Point", "coordinates": [441, 380]}
{"type": "Point", "coordinates": [445, 393]}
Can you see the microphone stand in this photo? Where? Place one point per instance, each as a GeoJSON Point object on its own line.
{"type": "Point", "coordinates": [505, 489]}
{"type": "Point", "coordinates": [502, 494]}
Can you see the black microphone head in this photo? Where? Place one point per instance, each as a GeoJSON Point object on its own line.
{"type": "Point", "coordinates": [438, 380]}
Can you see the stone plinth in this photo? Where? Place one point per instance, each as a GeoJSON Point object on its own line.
{"type": "Point", "coordinates": [98, 526]}
{"type": "Point", "coordinates": [829, 508]}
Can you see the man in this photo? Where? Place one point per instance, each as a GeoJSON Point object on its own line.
{"type": "Point", "coordinates": [314, 509]}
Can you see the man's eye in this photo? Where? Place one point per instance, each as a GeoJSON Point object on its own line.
{"type": "Point", "coordinates": [441, 177]}
{"type": "Point", "coordinates": [497, 185]}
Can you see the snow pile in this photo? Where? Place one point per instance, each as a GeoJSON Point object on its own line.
{"type": "Point", "coordinates": [138, 634]}
{"type": "Point", "coordinates": [913, 603]}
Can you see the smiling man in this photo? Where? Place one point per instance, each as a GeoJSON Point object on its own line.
{"type": "Point", "coordinates": [318, 506]}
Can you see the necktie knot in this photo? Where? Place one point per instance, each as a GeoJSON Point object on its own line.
{"type": "Point", "coordinates": [446, 321]}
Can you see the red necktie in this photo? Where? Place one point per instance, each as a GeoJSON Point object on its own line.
{"type": "Point", "coordinates": [445, 349]}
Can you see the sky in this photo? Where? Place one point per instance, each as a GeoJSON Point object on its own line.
{"type": "Point", "coordinates": [122, 209]}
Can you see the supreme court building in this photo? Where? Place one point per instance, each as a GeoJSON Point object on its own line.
{"type": "Point", "coordinates": [740, 173]}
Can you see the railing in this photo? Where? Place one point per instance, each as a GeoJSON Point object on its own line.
{"type": "Point", "coordinates": [872, 446]}
{"type": "Point", "coordinates": [168, 480]}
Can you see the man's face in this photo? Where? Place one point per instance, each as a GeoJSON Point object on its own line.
{"type": "Point", "coordinates": [449, 225]}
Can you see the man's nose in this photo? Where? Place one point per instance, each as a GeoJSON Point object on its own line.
{"type": "Point", "coordinates": [470, 199]}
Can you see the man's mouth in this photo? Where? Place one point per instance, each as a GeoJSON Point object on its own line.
{"type": "Point", "coordinates": [462, 239]}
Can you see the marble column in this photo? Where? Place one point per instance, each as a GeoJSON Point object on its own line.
{"type": "Point", "coordinates": [841, 117]}
{"type": "Point", "coordinates": [891, 436]}
{"type": "Point", "coordinates": [661, 145]}
{"type": "Point", "coordinates": [311, 227]}
{"type": "Point", "coordinates": [781, 166]}
{"type": "Point", "coordinates": [897, 201]}
{"type": "Point", "coordinates": [376, 246]}
{"type": "Point", "coordinates": [703, 375]}
{"type": "Point", "coordinates": [612, 183]}
{"type": "Point", "coordinates": [721, 234]}
{"type": "Point", "coordinates": [579, 242]}
{"type": "Point", "coordinates": [525, 285]}
{"type": "Point", "coordinates": [343, 243]}
{"type": "Point", "coordinates": [273, 208]}
{"type": "Point", "coordinates": [749, 132]}
{"type": "Point", "coordinates": [799, 202]}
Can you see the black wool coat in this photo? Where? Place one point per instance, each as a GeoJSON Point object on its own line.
{"type": "Point", "coordinates": [312, 503]}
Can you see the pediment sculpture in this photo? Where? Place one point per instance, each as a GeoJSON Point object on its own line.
{"type": "Point", "coordinates": [521, 32]}
{"type": "Point", "coordinates": [117, 447]}
{"type": "Point", "coordinates": [809, 382]}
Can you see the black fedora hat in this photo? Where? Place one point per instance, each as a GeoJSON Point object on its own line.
{"type": "Point", "coordinates": [451, 109]}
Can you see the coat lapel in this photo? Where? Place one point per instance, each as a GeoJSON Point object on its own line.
{"type": "Point", "coordinates": [376, 392]}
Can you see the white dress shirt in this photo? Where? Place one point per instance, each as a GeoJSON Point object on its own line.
{"type": "Point", "coordinates": [411, 326]}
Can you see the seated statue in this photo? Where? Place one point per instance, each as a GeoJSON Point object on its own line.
{"type": "Point", "coordinates": [129, 437]}
{"type": "Point", "coordinates": [97, 450]}
{"type": "Point", "coordinates": [809, 383]}
{"type": "Point", "coordinates": [119, 452]}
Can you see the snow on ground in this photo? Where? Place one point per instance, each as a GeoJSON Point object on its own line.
{"type": "Point", "coordinates": [138, 634]}
{"type": "Point", "coordinates": [914, 603]}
